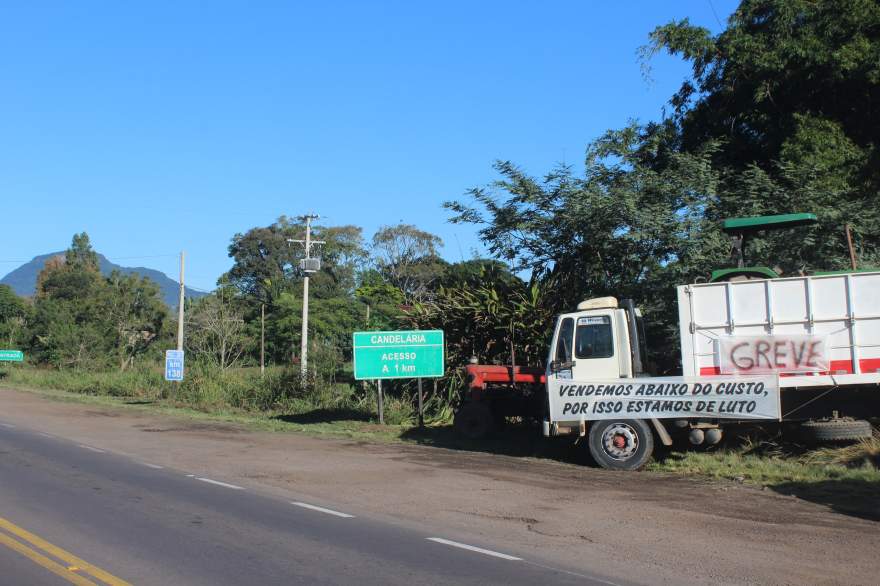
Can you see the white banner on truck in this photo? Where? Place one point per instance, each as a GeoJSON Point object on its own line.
{"type": "Point", "coordinates": [673, 397]}
{"type": "Point", "coordinates": [770, 354]}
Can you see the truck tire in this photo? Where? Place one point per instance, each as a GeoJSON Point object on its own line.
{"type": "Point", "coordinates": [473, 420]}
{"type": "Point", "coordinates": [836, 430]}
{"type": "Point", "coordinates": [621, 444]}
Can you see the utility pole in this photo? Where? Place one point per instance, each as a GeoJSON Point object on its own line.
{"type": "Point", "coordinates": [308, 265]}
{"type": "Point", "coordinates": [180, 306]}
{"type": "Point", "coordinates": [262, 339]}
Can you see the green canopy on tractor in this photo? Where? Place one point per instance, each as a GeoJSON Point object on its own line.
{"type": "Point", "coordinates": [757, 223]}
{"type": "Point", "coordinates": [740, 228]}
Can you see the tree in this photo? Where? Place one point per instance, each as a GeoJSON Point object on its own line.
{"type": "Point", "coordinates": [217, 330]}
{"type": "Point", "coordinates": [267, 265]}
{"type": "Point", "coordinates": [135, 311]}
{"type": "Point", "coordinates": [83, 320]}
{"type": "Point", "coordinates": [382, 300]}
{"type": "Point", "coordinates": [13, 317]}
{"type": "Point", "coordinates": [74, 276]}
{"type": "Point", "coordinates": [476, 273]}
{"type": "Point", "coordinates": [266, 271]}
{"type": "Point", "coordinates": [408, 258]}
{"type": "Point", "coordinates": [621, 229]}
{"type": "Point", "coordinates": [788, 93]}
{"type": "Point", "coordinates": [264, 262]}
{"type": "Point", "coordinates": [81, 255]}
{"type": "Point", "coordinates": [776, 61]}
{"type": "Point", "coordinates": [778, 117]}
{"type": "Point", "coordinates": [501, 320]}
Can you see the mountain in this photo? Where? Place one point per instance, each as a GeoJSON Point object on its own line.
{"type": "Point", "coordinates": [23, 280]}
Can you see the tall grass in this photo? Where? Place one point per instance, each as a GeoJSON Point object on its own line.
{"type": "Point", "coordinates": [206, 388]}
{"type": "Point", "coordinates": [773, 462]}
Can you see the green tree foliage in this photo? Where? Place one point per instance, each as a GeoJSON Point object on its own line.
{"type": "Point", "coordinates": [14, 313]}
{"type": "Point", "coordinates": [408, 259]}
{"type": "Point", "coordinates": [216, 329]}
{"type": "Point", "coordinates": [624, 228]}
{"type": "Point", "coordinates": [789, 92]}
{"type": "Point", "coordinates": [266, 264]}
{"type": "Point", "coordinates": [133, 309]}
{"type": "Point", "coordinates": [382, 300]}
{"type": "Point", "coordinates": [778, 62]}
{"type": "Point", "coordinates": [778, 117]}
{"type": "Point", "coordinates": [497, 318]}
{"type": "Point", "coordinates": [266, 272]}
{"type": "Point", "coordinates": [83, 320]}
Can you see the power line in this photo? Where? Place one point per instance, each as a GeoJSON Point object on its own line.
{"type": "Point", "coordinates": [718, 20]}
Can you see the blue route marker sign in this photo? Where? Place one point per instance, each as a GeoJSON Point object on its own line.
{"type": "Point", "coordinates": [174, 365]}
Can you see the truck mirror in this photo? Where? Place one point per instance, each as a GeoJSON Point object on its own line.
{"type": "Point", "coordinates": [556, 365]}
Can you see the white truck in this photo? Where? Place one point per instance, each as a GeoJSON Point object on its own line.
{"type": "Point", "coordinates": [754, 346]}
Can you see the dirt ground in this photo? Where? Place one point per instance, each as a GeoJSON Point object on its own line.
{"type": "Point", "coordinates": [644, 527]}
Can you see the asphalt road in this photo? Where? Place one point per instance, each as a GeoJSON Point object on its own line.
{"type": "Point", "coordinates": [73, 513]}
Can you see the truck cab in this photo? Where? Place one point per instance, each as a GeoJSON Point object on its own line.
{"type": "Point", "coordinates": [602, 339]}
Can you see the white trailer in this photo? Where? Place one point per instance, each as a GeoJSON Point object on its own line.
{"type": "Point", "coordinates": [785, 349]}
{"type": "Point", "coordinates": [840, 313]}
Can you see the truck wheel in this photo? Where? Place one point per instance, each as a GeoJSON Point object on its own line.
{"type": "Point", "coordinates": [836, 430]}
{"type": "Point", "coordinates": [473, 421]}
{"type": "Point", "coordinates": [621, 444]}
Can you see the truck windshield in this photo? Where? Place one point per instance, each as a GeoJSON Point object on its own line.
{"type": "Point", "coordinates": [563, 342]}
{"type": "Point", "coordinates": [594, 338]}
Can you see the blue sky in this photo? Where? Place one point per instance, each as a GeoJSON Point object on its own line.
{"type": "Point", "coordinates": [161, 126]}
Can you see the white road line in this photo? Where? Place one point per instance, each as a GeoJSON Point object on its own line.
{"type": "Point", "coordinates": [153, 466]}
{"type": "Point", "coordinates": [496, 554]}
{"type": "Point", "coordinates": [218, 483]}
{"type": "Point", "coordinates": [190, 475]}
{"type": "Point", "coordinates": [49, 435]}
{"type": "Point", "coordinates": [591, 578]}
{"type": "Point", "coordinates": [85, 447]}
{"type": "Point", "coordinates": [9, 425]}
{"type": "Point", "coordinates": [322, 510]}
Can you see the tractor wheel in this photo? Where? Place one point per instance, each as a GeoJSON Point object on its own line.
{"type": "Point", "coordinates": [473, 420]}
{"type": "Point", "coordinates": [621, 444]}
{"type": "Point", "coordinates": [836, 430]}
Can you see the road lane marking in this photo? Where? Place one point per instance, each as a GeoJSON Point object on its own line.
{"type": "Point", "coordinates": [153, 466]}
{"type": "Point", "coordinates": [570, 573]}
{"type": "Point", "coordinates": [45, 562]}
{"type": "Point", "coordinates": [75, 564]}
{"type": "Point", "coordinates": [218, 483]}
{"type": "Point", "coordinates": [322, 510]}
{"type": "Point", "coordinates": [496, 554]}
{"type": "Point", "coordinates": [9, 425]}
{"type": "Point", "coordinates": [85, 447]}
{"type": "Point", "coordinates": [48, 435]}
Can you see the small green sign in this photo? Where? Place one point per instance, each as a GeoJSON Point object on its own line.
{"type": "Point", "coordinates": [11, 356]}
{"type": "Point", "coordinates": [407, 354]}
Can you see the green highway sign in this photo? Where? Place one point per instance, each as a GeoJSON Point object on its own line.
{"type": "Point", "coordinates": [11, 356]}
{"type": "Point", "coordinates": [406, 354]}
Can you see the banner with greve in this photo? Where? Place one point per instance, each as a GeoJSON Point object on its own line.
{"type": "Point", "coordinates": [772, 354]}
{"type": "Point", "coordinates": [671, 397]}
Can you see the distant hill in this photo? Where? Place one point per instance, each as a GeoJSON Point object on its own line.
{"type": "Point", "coordinates": [23, 280]}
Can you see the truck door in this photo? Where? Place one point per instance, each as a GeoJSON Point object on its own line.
{"type": "Point", "coordinates": [564, 348]}
{"type": "Point", "coordinates": [594, 348]}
